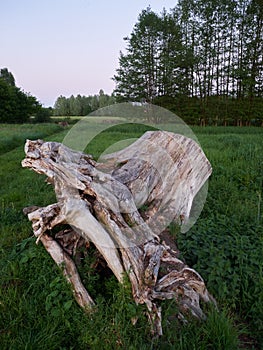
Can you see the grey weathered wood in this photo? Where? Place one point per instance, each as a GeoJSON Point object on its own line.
{"type": "Point", "coordinates": [161, 171]}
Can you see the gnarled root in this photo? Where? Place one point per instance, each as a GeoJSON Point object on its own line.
{"type": "Point", "coordinates": [99, 201]}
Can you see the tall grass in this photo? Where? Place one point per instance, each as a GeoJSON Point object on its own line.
{"type": "Point", "coordinates": [226, 244]}
{"type": "Point", "coordinates": [11, 136]}
{"type": "Point", "coordinates": [37, 310]}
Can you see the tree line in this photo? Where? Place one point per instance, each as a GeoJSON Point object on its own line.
{"type": "Point", "coordinates": [202, 60]}
{"type": "Point", "coordinates": [81, 105]}
{"type": "Point", "coordinates": [17, 106]}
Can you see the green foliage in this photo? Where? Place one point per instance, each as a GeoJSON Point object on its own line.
{"type": "Point", "coordinates": [16, 106]}
{"type": "Point", "coordinates": [37, 308]}
{"type": "Point", "coordinates": [217, 332]}
{"type": "Point", "coordinates": [81, 105]}
{"type": "Point", "coordinates": [202, 60]}
{"type": "Point", "coordinates": [226, 244]}
{"type": "Point", "coordinates": [215, 110]}
{"type": "Point", "coordinates": [44, 304]}
{"type": "Point", "coordinates": [15, 135]}
{"type": "Point", "coordinates": [7, 76]}
{"type": "Point", "coordinates": [227, 253]}
{"type": "Point", "coordinates": [136, 78]}
{"type": "Point", "coordinates": [43, 115]}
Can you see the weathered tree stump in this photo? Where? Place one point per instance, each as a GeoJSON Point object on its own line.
{"type": "Point", "coordinates": [123, 205]}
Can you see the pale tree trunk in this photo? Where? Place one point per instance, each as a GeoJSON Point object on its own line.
{"type": "Point", "coordinates": [123, 205]}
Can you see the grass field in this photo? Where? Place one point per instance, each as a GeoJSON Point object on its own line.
{"type": "Point", "coordinates": [11, 136]}
{"type": "Point", "coordinates": [225, 246]}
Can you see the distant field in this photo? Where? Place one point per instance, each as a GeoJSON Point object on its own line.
{"type": "Point", "coordinates": [225, 246]}
{"type": "Point", "coordinates": [88, 118]}
{"type": "Point", "coordinates": [13, 135]}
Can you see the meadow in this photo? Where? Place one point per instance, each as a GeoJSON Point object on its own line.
{"type": "Point", "coordinates": [37, 310]}
{"type": "Point", "coordinates": [12, 136]}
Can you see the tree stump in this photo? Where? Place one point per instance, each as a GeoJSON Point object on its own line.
{"type": "Point", "coordinates": [123, 205]}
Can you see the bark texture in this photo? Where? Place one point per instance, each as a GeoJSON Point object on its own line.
{"type": "Point", "coordinates": [123, 205]}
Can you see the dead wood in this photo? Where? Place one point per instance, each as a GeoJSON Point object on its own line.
{"type": "Point", "coordinates": [123, 204]}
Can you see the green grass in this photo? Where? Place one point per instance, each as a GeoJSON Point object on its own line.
{"type": "Point", "coordinates": [37, 310]}
{"type": "Point", "coordinates": [11, 136]}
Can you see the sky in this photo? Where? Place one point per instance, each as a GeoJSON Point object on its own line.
{"type": "Point", "coordinates": [67, 47]}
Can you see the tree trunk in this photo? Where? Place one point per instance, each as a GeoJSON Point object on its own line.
{"type": "Point", "coordinates": [123, 206]}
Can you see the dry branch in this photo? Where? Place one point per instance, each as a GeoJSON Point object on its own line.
{"type": "Point", "coordinates": [161, 172]}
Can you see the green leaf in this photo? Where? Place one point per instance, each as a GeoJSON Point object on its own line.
{"type": "Point", "coordinates": [55, 312]}
{"type": "Point", "coordinates": [68, 304]}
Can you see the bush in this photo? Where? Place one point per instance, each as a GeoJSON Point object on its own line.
{"type": "Point", "coordinates": [43, 115]}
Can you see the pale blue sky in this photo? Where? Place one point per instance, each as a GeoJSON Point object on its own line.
{"type": "Point", "coordinates": [65, 47]}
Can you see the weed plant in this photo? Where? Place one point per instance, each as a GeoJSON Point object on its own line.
{"type": "Point", "coordinates": [226, 244]}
